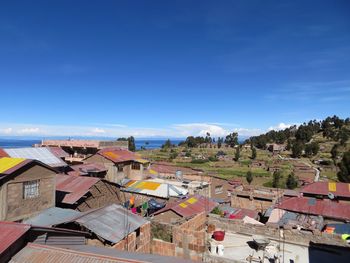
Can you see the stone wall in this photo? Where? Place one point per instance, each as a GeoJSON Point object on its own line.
{"type": "Point", "coordinates": [292, 236]}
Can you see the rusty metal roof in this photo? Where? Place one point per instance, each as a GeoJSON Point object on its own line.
{"type": "Point", "coordinates": [58, 151]}
{"type": "Point", "coordinates": [86, 168]}
{"type": "Point", "coordinates": [313, 206]}
{"type": "Point", "coordinates": [324, 188]}
{"type": "Point", "coordinates": [10, 232]}
{"type": "Point", "coordinates": [118, 155]}
{"type": "Point", "coordinates": [162, 167]}
{"type": "Point", "coordinates": [34, 253]}
{"type": "Point", "coordinates": [190, 206]}
{"type": "Point", "coordinates": [75, 186]}
{"type": "Point", "coordinates": [112, 223]}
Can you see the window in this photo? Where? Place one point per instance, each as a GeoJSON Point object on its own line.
{"type": "Point", "coordinates": [31, 189]}
{"type": "Point", "coordinates": [135, 166]}
{"type": "Point", "coordinates": [120, 167]}
{"type": "Point", "coordinates": [219, 189]}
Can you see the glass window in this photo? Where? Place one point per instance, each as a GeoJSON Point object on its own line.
{"type": "Point", "coordinates": [219, 189]}
{"type": "Point", "coordinates": [31, 189]}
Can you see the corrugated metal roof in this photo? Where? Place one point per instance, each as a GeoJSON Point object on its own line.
{"type": "Point", "coordinates": [75, 186]}
{"type": "Point", "coordinates": [324, 188]}
{"type": "Point", "coordinates": [41, 154]}
{"type": "Point", "coordinates": [148, 187]}
{"type": "Point", "coordinates": [87, 168]}
{"type": "Point", "coordinates": [112, 223]}
{"type": "Point", "coordinates": [10, 233]}
{"type": "Point", "coordinates": [190, 206]}
{"type": "Point", "coordinates": [3, 153]}
{"type": "Point", "coordinates": [52, 216]}
{"type": "Point", "coordinates": [118, 155]}
{"type": "Point", "coordinates": [34, 253]}
{"type": "Point", "coordinates": [169, 168]}
{"type": "Point", "coordinates": [58, 152]}
{"type": "Point", "coordinates": [324, 208]}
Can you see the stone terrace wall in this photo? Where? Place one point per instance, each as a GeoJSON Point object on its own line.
{"type": "Point", "coordinates": [292, 236]}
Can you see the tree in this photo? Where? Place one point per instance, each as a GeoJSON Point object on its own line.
{"type": "Point", "coordinates": [297, 149]}
{"type": "Point", "coordinates": [249, 177]}
{"type": "Point", "coordinates": [253, 153]}
{"type": "Point", "coordinates": [311, 149]}
{"type": "Point", "coordinates": [344, 166]}
{"type": "Point", "coordinates": [232, 139]}
{"type": "Point", "coordinates": [167, 144]}
{"type": "Point", "coordinates": [132, 146]}
{"type": "Point", "coordinates": [237, 154]}
{"type": "Point", "coordinates": [276, 179]}
{"type": "Point", "coordinates": [220, 141]}
{"type": "Point", "coordinates": [334, 152]}
{"type": "Point", "coordinates": [291, 182]}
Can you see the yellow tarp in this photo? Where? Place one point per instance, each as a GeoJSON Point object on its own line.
{"type": "Point", "coordinates": [192, 200]}
{"type": "Point", "coordinates": [151, 171]}
{"type": "Point", "coordinates": [7, 163]}
{"type": "Point", "coordinates": [332, 187]}
{"type": "Point", "coordinates": [147, 185]}
{"type": "Point", "coordinates": [143, 161]}
{"type": "Point", "coordinates": [112, 155]}
{"type": "Point", "coordinates": [183, 205]}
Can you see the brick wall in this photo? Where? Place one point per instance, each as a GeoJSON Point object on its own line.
{"type": "Point", "coordinates": [163, 248]}
{"type": "Point", "coordinates": [134, 243]}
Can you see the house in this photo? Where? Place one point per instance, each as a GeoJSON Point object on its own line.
{"type": "Point", "coordinates": [80, 149]}
{"type": "Point", "coordinates": [59, 152]}
{"type": "Point", "coordinates": [14, 236]}
{"type": "Point", "coordinates": [171, 171]}
{"type": "Point", "coordinates": [185, 208]}
{"type": "Point", "coordinates": [113, 226]}
{"type": "Point", "coordinates": [312, 206]}
{"type": "Point", "coordinates": [26, 188]}
{"type": "Point", "coordinates": [275, 148]}
{"type": "Point", "coordinates": [43, 155]}
{"type": "Point", "coordinates": [121, 164]}
{"type": "Point", "coordinates": [83, 193]}
{"type": "Point", "coordinates": [328, 190]}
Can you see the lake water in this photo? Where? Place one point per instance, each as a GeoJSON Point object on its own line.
{"type": "Point", "coordinates": [18, 143]}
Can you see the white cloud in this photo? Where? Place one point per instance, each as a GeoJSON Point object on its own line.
{"type": "Point", "coordinates": [98, 130]}
{"type": "Point", "coordinates": [200, 129]}
{"type": "Point", "coordinates": [280, 126]}
{"type": "Point", "coordinates": [6, 131]}
{"type": "Point", "coordinates": [28, 131]}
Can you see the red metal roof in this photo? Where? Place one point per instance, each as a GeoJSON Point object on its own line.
{"type": "Point", "coordinates": [59, 152]}
{"type": "Point", "coordinates": [3, 153]}
{"type": "Point", "coordinates": [313, 206]}
{"type": "Point", "coordinates": [118, 155]}
{"type": "Point", "coordinates": [86, 168]}
{"type": "Point", "coordinates": [189, 206]}
{"type": "Point", "coordinates": [10, 232]}
{"type": "Point", "coordinates": [324, 188]}
{"type": "Point", "coordinates": [75, 186]}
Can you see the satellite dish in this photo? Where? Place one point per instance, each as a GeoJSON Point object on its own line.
{"type": "Point", "coordinates": [331, 196]}
{"type": "Point", "coordinates": [179, 175]}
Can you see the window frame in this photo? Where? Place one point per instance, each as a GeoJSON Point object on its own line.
{"type": "Point", "coordinates": [31, 189]}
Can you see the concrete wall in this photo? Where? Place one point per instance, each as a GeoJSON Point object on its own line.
{"type": "Point", "coordinates": [14, 207]}
{"type": "Point", "coordinates": [292, 236]}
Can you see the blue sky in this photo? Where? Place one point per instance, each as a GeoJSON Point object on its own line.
{"type": "Point", "coordinates": [171, 68]}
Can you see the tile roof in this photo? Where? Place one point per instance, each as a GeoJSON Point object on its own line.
{"type": "Point", "coordinates": [34, 253]}
{"type": "Point", "coordinates": [118, 155]}
{"type": "Point", "coordinates": [41, 154]}
{"type": "Point", "coordinates": [112, 223]}
{"type": "Point", "coordinates": [52, 216]}
{"type": "Point", "coordinates": [75, 186]}
{"type": "Point", "coordinates": [312, 206]}
{"type": "Point", "coordinates": [189, 206]}
{"type": "Point", "coordinates": [148, 187]}
{"type": "Point", "coordinates": [324, 188]}
{"type": "Point", "coordinates": [10, 232]}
